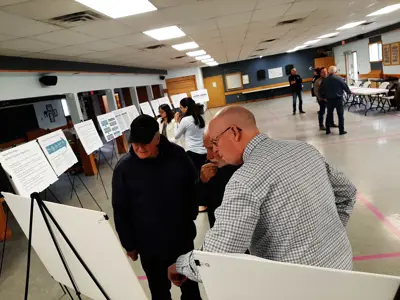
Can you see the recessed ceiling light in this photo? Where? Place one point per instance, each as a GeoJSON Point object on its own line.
{"type": "Point", "coordinates": [213, 64]}
{"type": "Point", "coordinates": [208, 60]}
{"type": "Point", "coordinates": [351, 25]}
{"type": "Point", "coordinates": [196, 53]}
{"type": "Point", "coordinates": [119, 8]}
{"type": "Point", "coordinates": [260, 56]}
{"type": "Point", "coordinates": [185, 46]}
{"type": "Point", "coordinates": [311, 42]}
{"type": "Point", "coordinates": [328, 35]}
{"type": "Point", "coordinates": [203, 57]}
{"type": "Point", "coordinates": [165, 33]}
{"type": "Point", "coordinates": [385, 10]}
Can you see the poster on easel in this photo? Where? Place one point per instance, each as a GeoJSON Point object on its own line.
{"type": "Point", "coordinates": [58, 151]}
{"type": "Point", "coordinates": [28, 169]}
{"type": "Point", "coordinates": [88, 136]}
{"type": "Point", "coordinates": [146, 109]}
{"type": "Point", "coordinates": [176, 99]}
{"type": "Point", "coordinates": [119, 116]}
{"type": "Point", "coordinates": [155, 104]}
{"type": "Point", "coordinates": [132, 113]}
{"type": "Point", "coordinates": [200, 96]}
{"type": "Point", "coordinates": [109, 126]}
{"type": "Point", "coordinates": [164, 100]}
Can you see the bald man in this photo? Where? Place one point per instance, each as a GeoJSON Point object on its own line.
{"type": "Point", "coordinates": [286, 203]}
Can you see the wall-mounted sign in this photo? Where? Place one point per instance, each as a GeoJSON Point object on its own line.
{"type": "Point", "coordinates": [386, 57]}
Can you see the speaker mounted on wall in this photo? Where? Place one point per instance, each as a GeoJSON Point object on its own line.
{"type": "Point", "coordinates": [48, 80]}
{"type": "Point", "coordinates": [261, 75]}
{"type": "Point", "coordinates": [162, 77]}
{"type": "Point", "coordinates": [288, 69]}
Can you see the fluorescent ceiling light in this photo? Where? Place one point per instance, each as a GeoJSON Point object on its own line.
{"type": "Point", "coordinates": [291, 50]}
{"type": "Point", "coordinates": [299, 47]}
{"type": "Point", "coordinates": [213, 64]}
{"type": "Point", "coordinates": [119, 8]}
{"type": "Point", "coordinates": [385, 10]}
{"type": "Point", "coordinates": [328, 35]}
{"type": "Point", "coordinates": [196, 53]}
{"type": "Point", "coordinates": [165, 33]}
{"type": "Point", "coordinates": [203, 57]}
{"type": "Point", "coordinates": [351, 25]}
{"type": "Point", "coordinates": [311, 42]}
{"type": "Point", "coordinates": [208, 60]}
{"type": "Point", "coordinates": [185, 46]}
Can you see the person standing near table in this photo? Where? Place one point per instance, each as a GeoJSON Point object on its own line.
{"type": "Point", "coordinates": [332, 90]}
{"type": "Point", "coordinates": [296, 86]}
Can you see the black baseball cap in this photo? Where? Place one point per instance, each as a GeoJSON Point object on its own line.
{"type": "Point", "coordinates": [143, 129]}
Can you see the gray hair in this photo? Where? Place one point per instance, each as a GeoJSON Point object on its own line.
{"type": "Point", "coordinates": [332, 70]}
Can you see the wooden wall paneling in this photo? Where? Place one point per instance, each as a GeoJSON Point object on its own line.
{"type": "Point", "coordinates": [142, 94]}
{"type": "Point", "coordinates": [324, 62]}
{"type": "Point", "coordinates": [181, 85]}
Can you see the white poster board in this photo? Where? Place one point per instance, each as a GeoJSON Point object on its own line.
{"type": "Point", "coordinates": [238, 277]}
{"type": "Point", "coordinates": [131, 114]}
{"type": "Point", "coordinates": [155, 104]}
{"type": "Point", "coordinates": [176, 99]}
{"type": "Point", "coordinates": [58, 151]}
{"type": "Point", "coordinates": [108, 264]}
{"type": "Point", "coordinates": [146, 109]}
{"type": "Point", "coordinates": [200, 96]}
{"type": "Point", "coordinates": [88, 136]}
{"type": "Point", "coordinates": [246, 79]}
{"type": "Point", "coordinates": [164, 100]}
{"type": "Point", "coordinates": [118, 114]}
{"type": "Point", "coordinates": [28, 167]}
{"type": "Point", "coordinates": [109, 126]}
{"type": "Point", "coordinates": [234, 81]}
{"type": "Point", "coordinates": [275, 73]}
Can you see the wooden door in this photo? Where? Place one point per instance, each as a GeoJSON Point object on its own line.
{"type": "Point", "coordinates": [216, 91]}
{"type": "Point", "coordinates": [181, 85]}
{"type": "Point", "coordinates": [156, 91]}
{"type": "Point", "coordinates": [142, 94]}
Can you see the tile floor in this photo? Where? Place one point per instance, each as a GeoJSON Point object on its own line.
{"type": "Point", "coordinates": [369, 155]}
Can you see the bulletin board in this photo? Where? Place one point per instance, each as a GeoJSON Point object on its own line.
{"type": "Point", "coordinates": [394, 53]}
{"type": "Point", "coordinates": [386, 57]}
{"type": "Point", "coordinates": [234, 81]}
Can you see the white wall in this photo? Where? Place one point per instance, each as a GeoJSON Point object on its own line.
{"type": "Point", "coordinates": [362, 49]}
{"type": "Point", "coordinates": [44, 122]}
{"type": "Point", "coordinates": [388, 38]}
{"type": "Point", "coordinates": [188, 72]}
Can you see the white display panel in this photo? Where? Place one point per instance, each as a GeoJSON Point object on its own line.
{"type": "Point", "coordinates": [146, 109]}
{"type": "Point", "coordinates": [97, 245]}
{"type": "Point", "coordinates": [200, 96]}
{"type": "Point", "coordinates": [164, 100]}
{"type": "Point", "coordinates": [176, 99]}
{"type": "Point", "coordinates": [239, 276]}
{"type": "Point", "coordinates": [155, 104]}
{"type": "Point", "coordinates": [109, 126]}
{"type": "Point", "coordinates": [275, 73]}
{"type": "Point", "coordinates": [234, 81]}
{"type": "Point", "coordinates": [119, 116]}
{"type": "Point", "coordinates": [58, 151]}
{"type": "Point", "coordinates": [88, 136]}
{"type": "Point", "coordinates": [132, 113]}
{"type": "Point", "coordinates": [28, 167]}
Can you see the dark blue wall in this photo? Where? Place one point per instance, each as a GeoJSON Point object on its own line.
{"type": "Point", "coordinates": [302, 61]}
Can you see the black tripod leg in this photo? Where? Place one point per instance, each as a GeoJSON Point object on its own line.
{"type": "Point", "coordinates": [4, 242]}
{"type": "Point", "coordinates": [79, 177]}
{"type": "Point", "coordinates": [102, 182]}
{"type": "Point", "coordinates": [73, 188]}
{"type": "Point", "coordinates": [66, 288]}
{"type": "Point", "coordinates": [45, 211]}
{"type": "Point", "coordinates": [28, 264]}
{"type": "Point", "coordinates": [105, 158]}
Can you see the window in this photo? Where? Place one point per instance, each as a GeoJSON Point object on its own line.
{"type": "Point", "coordinates": [65, 107]}
{"type": "Point", "coordinates": [375, 52]}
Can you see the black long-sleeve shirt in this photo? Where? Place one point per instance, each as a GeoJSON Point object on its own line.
{"type": "Point", "coordinates": [333, 87]}
{"type": "Point", "coordinates": [154, 201]}
{"type": "Point", "coordinates": [298, 85]}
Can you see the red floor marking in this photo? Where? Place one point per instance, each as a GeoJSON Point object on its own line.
{"type": "Point", "coordinates": [379, 215]}
{"type": "Point", "coordinates": [142, 278]}
{"type": "Point", "coordinates": [376, 256]}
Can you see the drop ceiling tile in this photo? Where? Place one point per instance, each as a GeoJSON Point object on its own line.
{"type": "Point", "coordinates": [44, 9]}
{"type": "Point", "coordinates": [45, 56]}
{"type": "Point", "coordinates": [69, 51]}
{"type": "Point", "coordinates": [198, 27]}
{"type": "Point", "coordinates": [270, 12]}
{"type": "Point", "coordinates": [22, 27]}
{"type": "Point", "coordinates": [124, 50]}
{"type": "Point", "coordinates": [10, 52]}
{"type": "Point", "coordinates": [11, 2]}
{"type": "Point", "coordinates": [5, 37]}
{"type": "Point", "coordinates": [133, 39]}
{"type": "Point", "coordinates": [102, 45]}
{"type": "Point", "coordinates": [98, 55]}
{"type": "Point", "coordinates": [65, 37]}
{"type": "Point", "coordinates": [268, 3]}
{"type": "Point", "coordinates": [29, 45]}
{"type": "Point", "coordinates": [105, 29]}
{"type": "Point", "coordinates": [233, 20]}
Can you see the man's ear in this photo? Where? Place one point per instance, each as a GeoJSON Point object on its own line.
{"type": "Point", "coordinates": [237, 134]}
{"type": "Point", "coordinates": [157, 138]}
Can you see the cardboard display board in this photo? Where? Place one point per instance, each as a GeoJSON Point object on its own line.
{"type": "Point", "coordinates": [28, 168]}
{"type": "Point", "coordinates": [58, 151]}
{"type": "Point", "coordinates": [146, 109]}
{"type": "Point", "coordinates": [109, 264]}
{"type": "Point", "coordinates": [164, 100]}
{"type": "Point", "coordinates": [176, 99]}
{"type": "Point", "coordinates": [109, 126]}
{"type": "Point", "coordinates": [240, 276]}
{"type": "Point", "coordinates": [201, 96]}
{"type": "Point", "coordinates": [88, 136]}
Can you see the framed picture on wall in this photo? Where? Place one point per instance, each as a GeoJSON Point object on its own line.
{"type": "Point", "coordinates": [386, 57]}
{"type": "Point", "coordinates": [394, 52]}
{"type": "Point", "coordinates": [234, 81]}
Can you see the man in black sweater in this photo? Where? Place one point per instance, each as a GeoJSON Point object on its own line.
{"type": "Point", "coordinates": [154, 205]}
{"type": "Point", "coordinates": [214, 176]}
{"type": "Point", "coordinates": [296, 86]}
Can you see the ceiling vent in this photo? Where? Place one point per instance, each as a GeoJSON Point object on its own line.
{"type": "Point", "coordinates": [291, 21]}
{"type": "Point", "coordinates": [76, 19]}
{"type": "Point", "coordinates": [179, 57]}
{"type": "Point", "coordinates": [261, 49]}
{"type": "Point", "coordinates": [367, 23]}
{"type": "Point", "coordinates": [193, 62]}
{"type": "Point", "coordinates": [154, 47]}
{"type": "Point", "coordinates": [251, 56]}
{"type": "Point", "coordinates": [268, 41]}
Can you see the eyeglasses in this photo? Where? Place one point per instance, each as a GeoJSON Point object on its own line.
{"type": "Point", "coordinates": [215, 140]}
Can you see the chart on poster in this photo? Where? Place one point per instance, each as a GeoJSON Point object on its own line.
{"type": "Point", "coordinates": [58, 151]}
{"type": "Point", "coordinates": [88, 136]}
{"type": "Point", "coordinates": [109, 126]}
{"type": "Point", "coordinates": [28, 168]}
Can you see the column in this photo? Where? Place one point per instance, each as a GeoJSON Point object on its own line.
{"type": "Point", "coordinates": [74, 108]}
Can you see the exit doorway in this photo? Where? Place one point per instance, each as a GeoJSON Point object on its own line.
{"type": "Point", "coordinates": [351, 61]}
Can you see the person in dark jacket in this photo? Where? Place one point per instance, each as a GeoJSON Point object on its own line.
{"type": "Point", "coordinates": [214, 176]}
{"type": "Point", "coordinates": [296, 86]}
{"type": "Point", "coordinates": [332, 89]}
{"type": "Point", "coordinates": [157, 226]}
{"type": "Point", "coordinates": [316, 76]}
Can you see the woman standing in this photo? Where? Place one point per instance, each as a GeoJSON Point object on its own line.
{"type": "Point", "coordinates": [190, 125]}
{"type": "Point", "coordinates": [167, 122]}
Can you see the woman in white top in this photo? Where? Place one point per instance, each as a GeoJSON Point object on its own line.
{"type": "Point", "coordinates": [167, 122]}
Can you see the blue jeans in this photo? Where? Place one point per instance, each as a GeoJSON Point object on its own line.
{"type": "Point", "coordinates": [295, 95]}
